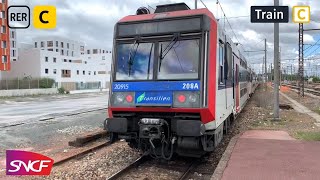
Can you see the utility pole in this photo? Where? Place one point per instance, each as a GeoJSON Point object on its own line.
{"type": "Point", "coordinates": [196, 4]}
{"type": "Point", "coordinates": [291, 73]}
{"type": "Point", "coordinates": [265, 57]}
{"type": "Point", "coordinates": [276, 68]}
{"type": "Point", "coordinates": [301, 62]}
{"type": "Point", "coordinates": [263, 70]}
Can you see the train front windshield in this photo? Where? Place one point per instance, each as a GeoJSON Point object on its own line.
{"type": "Point", "coordinates": [174, 60]}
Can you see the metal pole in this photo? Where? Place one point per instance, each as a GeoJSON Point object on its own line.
{"type": "Point", "coordinates": [276, 68]}
{"type": "Point", "coordinates": [265, 57]}
{"type": "Point", "coordinates": [196, 4]}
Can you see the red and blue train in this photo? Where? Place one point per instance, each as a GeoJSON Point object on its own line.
{"type": "Point", "coordinates": [177, 81]}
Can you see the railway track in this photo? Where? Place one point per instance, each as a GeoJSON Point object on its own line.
{"type": "Point", "coordinates": [81, 153]}
{"type": "Point", "coordinates": [308, 90]}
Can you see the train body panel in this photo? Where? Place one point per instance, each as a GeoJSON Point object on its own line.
{"type": "Point", "coordinates": [177, 82]}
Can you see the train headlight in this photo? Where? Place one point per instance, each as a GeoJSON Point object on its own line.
{"type": "Point", "coordinates": [188, 99]}
{"type": "Point", "coordinates": [122, 99]}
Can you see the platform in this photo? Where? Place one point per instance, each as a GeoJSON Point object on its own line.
{"type": "Point", "coordinates": [260, 154]}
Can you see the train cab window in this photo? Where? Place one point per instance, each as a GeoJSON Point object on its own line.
{"type": "Point", "coordinates": [221, 63]}
{"type": "Point", "coordinates": [179, 60]}
{"type": "Point", "coordinates": [134, 61]}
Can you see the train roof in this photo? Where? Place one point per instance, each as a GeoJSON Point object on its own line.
{"type": "Point", "coordinates": [172, 14]}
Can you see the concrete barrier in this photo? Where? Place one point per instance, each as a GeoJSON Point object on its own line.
{"type": "Point", "coordinates": [27, 92]}
{"type": "Point", "coordinates": [88, 91]}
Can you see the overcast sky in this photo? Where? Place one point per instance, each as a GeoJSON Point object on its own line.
{"type": "Point", "coordinates": [93, 22]}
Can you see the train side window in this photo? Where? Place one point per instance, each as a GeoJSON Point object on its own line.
{"type": "Point", "coordinates": [228, 65]}
{"type": "Point", "coordinates": [221, 64]}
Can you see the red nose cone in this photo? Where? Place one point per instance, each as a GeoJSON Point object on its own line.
{"type": "Point", "coordinates": [129, 98]}
{"type": "Point", "coordinates": [181, 98]}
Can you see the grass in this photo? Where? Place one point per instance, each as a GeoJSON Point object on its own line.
{"type": "Point", "coordinates": [308, 136]}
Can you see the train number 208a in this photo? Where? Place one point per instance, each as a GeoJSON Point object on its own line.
{"type": "Point", "coordinates": [190, 86]}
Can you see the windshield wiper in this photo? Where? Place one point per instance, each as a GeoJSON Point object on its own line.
{"type": "Point", "coordinates": [149, 61]}
{"type": "Point", "coordinates": [166, 50]}
{"type": "Point", "coordinates": [132, 55]}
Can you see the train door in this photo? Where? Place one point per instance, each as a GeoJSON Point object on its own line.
{"type": "Point", "coordinates": [237, 88]}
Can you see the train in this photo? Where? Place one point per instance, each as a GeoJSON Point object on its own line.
{"type": "Point", "coordinates": [177, 81]}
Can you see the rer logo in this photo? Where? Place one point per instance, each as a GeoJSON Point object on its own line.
{"type": "Point", "coordinates": [27, 163]}
{"type": "Point", "coordinates": [44, 17]}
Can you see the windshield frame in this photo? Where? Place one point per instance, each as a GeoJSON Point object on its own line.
{"type": "Point", "coordinates": [156, 40]}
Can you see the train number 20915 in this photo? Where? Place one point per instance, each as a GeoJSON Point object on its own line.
{"type": "Point", "coordinates": [121, 86]}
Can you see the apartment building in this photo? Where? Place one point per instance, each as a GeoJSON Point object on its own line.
{"type": "Point", "coordinates": [73, 65]}
{"type": "Point", "coordinates": [4, 38]}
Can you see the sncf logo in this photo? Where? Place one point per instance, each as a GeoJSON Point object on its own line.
{"type": "Point", "coordinates": [27, 163]}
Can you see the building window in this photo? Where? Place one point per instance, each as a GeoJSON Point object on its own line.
{"type": "Point", "coordinates": [103, 58]}
{"type": "Point", "coordinates": [14, 59]}
{"type": "Point", "coordinates": [57, 43]}
{"type": "Point", "coordinates": [102, 51]}
{"type": "Point", "coordinates": [88, 51]}
{"type": "Point", "coordinates": [42, 44]}
{"type": "Point", "coordinates": [57, 50]}
{"type": "Point", "coordinates": [3, 29]}
{"type": "Point", "coordinates": [49, 43]}
{"type": "Point", "coordinates": [3, 14]}
{"type": "Point", "coordinates": [12, 34]}
{"type": "Point", "coordinates": [94, 73]}
{"type": "Point", "coordinates": [85, 62]}
{"type": "Point", "coordinates": [65, 60]}
{"type": "Point", "coordinates": [62, 44]}
{"type": "Point", "coordinates": [65, 73]}
{"type": "Point", "coordinates": [81, 48]}
{"type": "Point", "coordinates": [70, 60]}
{"type": "Point", "coordinates": [13, 53]}
{"type": "Point", "coordinates": [50, 49]}
{"type": "Point", "coordinates": [13, 44]}
{"type": "Point", "coordinates": [95, 51]}
{"type": "Point", "coordinates": [4, 44]}
{"type": "Point", "coordinates": [72, 53]}
{"type": "Point", "coordinates": [54, 60]}
{"type": "Point", "coordinates": [47, 59]}
{"type": "Point", "coordinates": [77, 72]}
{"type": "Point", "coordinates": [84, 72]}
{"type": "Point", "coordinates": [62, 53]}
{"type": "Point", "coordinates": [54, 71]}
{"type": "Point", "coordinates": [67, 53]}
{"type": "Point", "coordinates": [67, 45]}
{"type": "Point", "coordinates": [46, 71]}
{"type": "Point", "coordinates": [89, 73]}
{"type": "Point", "coordinates": [35, 44]}
{"type": "Point", "coordinates": [4, 59]}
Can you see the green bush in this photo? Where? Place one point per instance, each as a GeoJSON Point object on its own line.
{"type": "Point", "coordinates": [316, 79]}
{"type": "Point", "coordinates": [61, 90]}
{"type": "Point", "coordinates": [46, 83]}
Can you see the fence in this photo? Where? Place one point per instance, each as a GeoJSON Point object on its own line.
{"type": "Point", "coordinates": [25, 83]}
{"type": "Point", "coordinates": [88, 85]}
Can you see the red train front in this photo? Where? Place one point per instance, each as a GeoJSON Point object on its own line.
{"type": "Point", "coordinates": [166, 82]}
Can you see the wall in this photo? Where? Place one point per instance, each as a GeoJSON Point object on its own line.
{"type": "Point", "coordinates": [27, 67]}
{"type": "Point", "coordinates": [27, 92]}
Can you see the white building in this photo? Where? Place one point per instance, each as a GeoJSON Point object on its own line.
{"type": "Point", "coordinates": [71, 64]}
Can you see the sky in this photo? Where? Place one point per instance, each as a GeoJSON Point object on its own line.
{"type": "Point", "coordinates": [93, 23]}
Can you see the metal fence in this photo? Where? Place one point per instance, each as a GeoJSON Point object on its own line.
{"type": "Point", "coordinates": [25, 83]}
{"type": "Point", "coordinates": [88, 85]}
